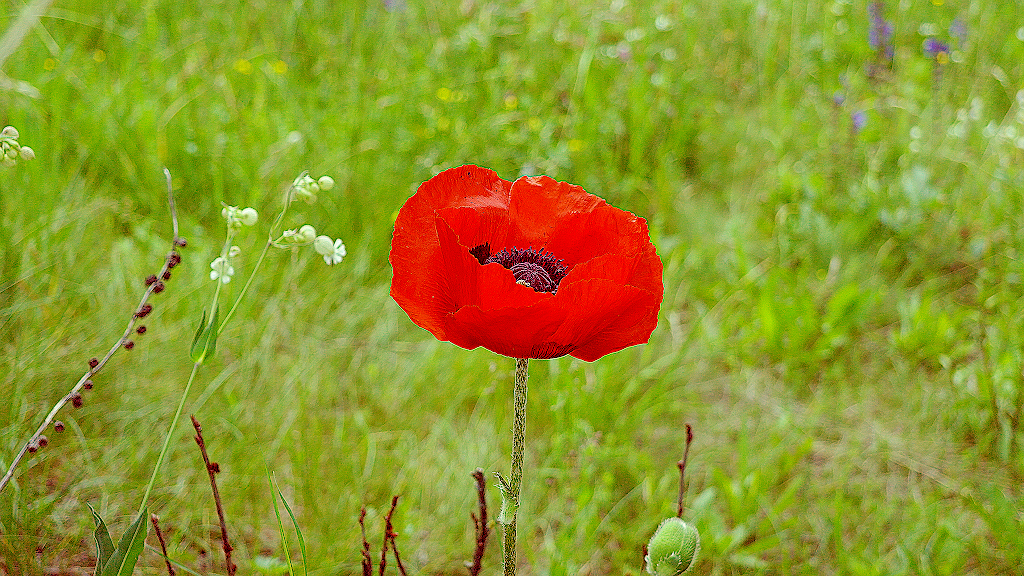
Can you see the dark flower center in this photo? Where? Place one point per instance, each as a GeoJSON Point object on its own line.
{"type": "Point", "coordinates": [539, 270]}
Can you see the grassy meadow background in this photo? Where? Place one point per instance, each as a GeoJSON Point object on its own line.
{"type": "Point", "coordinates": [841, 234]}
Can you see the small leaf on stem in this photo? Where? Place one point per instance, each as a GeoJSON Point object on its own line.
{"type": "Point", "coordinates": [205, 342]}
{"type": "Point", "coordinates": [104, 545]}
{"type": "Point", "coordinates": [122, 561]}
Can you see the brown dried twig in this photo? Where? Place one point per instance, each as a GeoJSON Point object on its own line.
{"type": "Point", "coordinates": [389, 536]}
{"type": "Point", "coordinates": [682, 472]}
{"type": "Point", "coordinates": [212, 468]}
{"type": "Point", "coordinates": [96, 364]}
{"type": "Point", "coordinates": [163, 545]}
{"type": "Point", "coordinates": [480, 527]}
{"type": "Point", "coordinates": [367, 562]}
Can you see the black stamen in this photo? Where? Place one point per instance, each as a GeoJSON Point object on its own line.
{"type": "Point", "coordinates": [481, 252]}
{"type": "Point", "coordinates": [537, 269]}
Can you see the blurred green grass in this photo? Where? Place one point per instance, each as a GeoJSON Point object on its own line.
{"type": "Point", "coordinates": [842, 309]}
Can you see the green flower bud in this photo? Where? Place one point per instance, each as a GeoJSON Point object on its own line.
{"type": "Point", "coordinates": [8, 162]}
{"type": "Point", "coordinates": [248, 216]}
{"type": "Point", "coordinates": [326, 183]}
{"type": "Point", "coordinates": [306, 233]}
{"type": "Point", "coordinates": [673, 548]}
{"type": "Point", "coordinates": [323, 245]}
{"type": "Point", "coordinates": [305, 194]}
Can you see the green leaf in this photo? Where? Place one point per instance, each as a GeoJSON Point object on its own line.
{"type": "Point", "coordinates": [205, 342]}
{"type": "Point", "coordinates": [509, 503]}
{"type": "Point", "coordinates": [280, 523]}
{"type": "Point", "coordinates": [199, 331]}
{"type": "Point", "coordinates": [295, 523]}
{"type": "Point", "coordinates": [104, 545]}
{"type": "Point", "coordinates": [122, 562]}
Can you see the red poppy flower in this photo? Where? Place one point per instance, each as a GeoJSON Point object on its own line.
{"type": "Point", "coordinates": [530, 269]}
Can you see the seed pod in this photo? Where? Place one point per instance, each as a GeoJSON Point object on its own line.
{"type": "Point", "coordinates": [673, 548]}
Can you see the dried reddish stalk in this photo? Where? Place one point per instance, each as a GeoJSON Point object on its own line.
{"type": "Point", "coordinates": [212, 468]}
{"type": "Point", "coordinates": [394, 549]}
{"type": "Point", "coordinates": [389, 536]}
{"type": "Point", "coordinates": [367, 562]}
{"type": "Point", "coordinates": [682, 472]}
{"type": "Point", "coordinates": [479, 524]}
{"type": "Point", "coordinates": [163, 545]}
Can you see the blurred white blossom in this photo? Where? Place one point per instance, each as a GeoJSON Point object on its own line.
{"type": "Point", "coordinates": [221, 269]}
{"type": "Point", "coordinates": [333, 251]}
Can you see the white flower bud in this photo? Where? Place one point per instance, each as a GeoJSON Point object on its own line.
{"type": "Point", "coordinates": [10, 132]}
{"type": "Point", "coordinates": [673, 548]}
{"type": "Point", "coordinates": [248, 216]}
{"type": "Point", "coordinates": [27, 153]}
{"type": "Point", "coordinates": [234, 251]}
{"type": "Point", "coordinates": [8, 162]}
{"type": "Point", "coordinates": [301, 181]}
{"type": "Point", "coordinates": [326, 183]}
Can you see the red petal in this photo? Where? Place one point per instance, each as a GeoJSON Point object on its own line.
{"type": "Point", "coordinates": [415, 250]}
{"type": "Point", "coordinates": [539, 205]}
{"type": "Point", "coordinates": [607, 317]}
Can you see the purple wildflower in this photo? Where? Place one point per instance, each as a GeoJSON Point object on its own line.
{"type": "Point", "coordinates": [880, 31]}
{"type": "Point", "coordinates": [860, 119]}
{"type": "Point", "coordinates": [936, 49]}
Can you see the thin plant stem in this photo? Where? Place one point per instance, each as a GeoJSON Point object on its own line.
{"type": "Point", "coordinates": [259, 262]}
{"type": "Point", "coordinates": [510, 490]}
{"type": "Point", "coordinates": [248, 282]}
{"type": "Point", "coordinates": [479, 524]}
{"type": "Point", "coordinates": [167, 438]}
{"type": "Point", "coordinates": [367, 562]}
{"type": "Point", "coordinates": [682, 472]}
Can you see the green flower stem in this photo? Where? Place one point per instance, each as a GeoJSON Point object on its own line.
{"type": "Point", "coordinates": [259, 262]}
{"type": "Point", "coordinates": [510, 489]}
{"type": "Point", "coordinates": [245, 288]}
{"type": "Point", "coordinates": [167, 438]}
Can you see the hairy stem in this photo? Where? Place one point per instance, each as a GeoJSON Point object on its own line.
{"type": "Point", "coordinates": [510, 490]}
